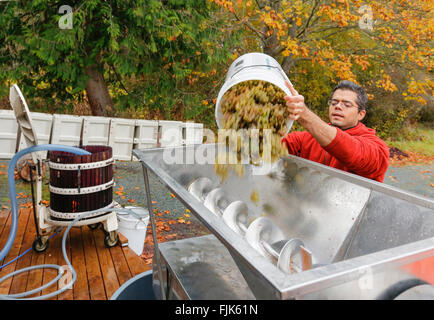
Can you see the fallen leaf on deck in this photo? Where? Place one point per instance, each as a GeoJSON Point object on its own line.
{"type": "Point", "coordinates": [26, 205]}
{"type": "Point", "coordinates": [130, 200]}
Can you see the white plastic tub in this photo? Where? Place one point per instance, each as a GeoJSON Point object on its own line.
{"type": "Point", "coordinates": [134, 228]}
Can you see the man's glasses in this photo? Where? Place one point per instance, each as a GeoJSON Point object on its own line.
{"type": "Point", "coordinates": [345, 103]}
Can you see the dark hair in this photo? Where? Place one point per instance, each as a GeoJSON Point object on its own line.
{"type": "Point", "coordinates": [362, 98]}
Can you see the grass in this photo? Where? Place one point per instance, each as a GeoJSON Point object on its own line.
{"type": "Point", "coordinates": [419, 140]}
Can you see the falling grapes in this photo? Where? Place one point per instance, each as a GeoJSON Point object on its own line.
{"type": "Point", "coordinates": [257, 104]}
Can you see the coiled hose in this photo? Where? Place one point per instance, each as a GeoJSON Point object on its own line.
{"type": "Point", "coordinates": [14, 226]}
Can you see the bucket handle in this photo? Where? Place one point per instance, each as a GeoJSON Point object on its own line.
{"type": "Point", "coordinates": [137, 223]}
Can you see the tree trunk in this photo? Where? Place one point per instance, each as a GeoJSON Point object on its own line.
{"type": "Point", "coordinates": [97, 93]}
{"type": "Point", "coordinates": [287, 64]}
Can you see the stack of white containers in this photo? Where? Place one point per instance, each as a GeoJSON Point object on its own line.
{"type": "Point", "coordinates": [123, 135]}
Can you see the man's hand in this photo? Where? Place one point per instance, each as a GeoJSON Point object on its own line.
{"type": "Point", "coordinates": [321, 131]}
{"type": "Point", "coordinates": [295, 103]}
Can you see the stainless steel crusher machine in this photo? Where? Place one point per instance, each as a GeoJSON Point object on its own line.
{"type": "Point", "coordinates": [302, 230]}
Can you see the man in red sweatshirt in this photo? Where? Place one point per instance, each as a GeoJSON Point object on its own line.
{"type": "Point", "coordinates": [344, 143]}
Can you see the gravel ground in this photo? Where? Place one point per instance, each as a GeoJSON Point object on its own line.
{"type": "Point", "coordinates": [417, 179]}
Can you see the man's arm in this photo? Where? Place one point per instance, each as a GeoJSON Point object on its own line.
{"type": "Point", "coordinates": [320, 130]}
{"type": "Point", "coordinates": [362, 155]}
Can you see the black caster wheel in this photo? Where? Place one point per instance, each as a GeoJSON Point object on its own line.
{"type": "Point", "coordinates": [93, 226]}
{"type": "Point", "coordinates": [39, 245]}
{"type": "Point", "coordinates": [111, 239]}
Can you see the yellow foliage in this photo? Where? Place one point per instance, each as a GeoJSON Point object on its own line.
{"type": "Point", "coordinates": [329, 34]}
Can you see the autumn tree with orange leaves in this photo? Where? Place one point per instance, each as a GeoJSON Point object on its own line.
{"type": "Point", "coordinates": [384, 45]}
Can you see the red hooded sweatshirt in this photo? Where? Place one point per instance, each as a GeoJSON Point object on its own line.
{"type": "Point", "coordinates": [356, 150]}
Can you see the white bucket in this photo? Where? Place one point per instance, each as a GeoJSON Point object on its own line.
{"type": "Point", "coordinates": [253, 66]}
{"type": "Point", "coordinates": [133, 228]}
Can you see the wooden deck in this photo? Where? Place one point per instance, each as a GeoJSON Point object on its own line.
{"type": "Point", "coordinates": [100, 271]}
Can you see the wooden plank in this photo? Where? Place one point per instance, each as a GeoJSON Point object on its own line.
{"type": "Point", "coordinates": [68, 294]}
{"type": "Point", "coordinates": [108, 271]}
{"type": "Point", "coordinates": [123, 241]}
{"type": "Point", "coordinates": [36, 276]}
{"type": "Point", "coordinates": [78, 261]}
{"type": "Point", "coordinates": [51, 257]}
{"type": "Point", "coordinates": [15, 249]}
{"type": "Point", "coordinates": [5, 233]}
{"type": "Point", "coordinates": [94, 276]}
{"type": "Point", "coordinates": [136, 264]}
{"type": "Point", "coordinates": [120, 264]}
{"type": "Point", "coordinates": [19, 282]}
{"type": "Point", "coordinates": [4, 216]}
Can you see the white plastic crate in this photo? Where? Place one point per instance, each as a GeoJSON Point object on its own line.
{"type": "Point", "coordinates": [193, 133]}
{"type": "Point", "coordinates": [145, 135]}
{"type": "Point", "coordinates": [171, 133]}
{"type": "Point", "coordinates": [96, 130]}
{"type": "Point", "coordinates": [121, 138]}
{"type": "Point", "coordinates": [66, 130]}
{"type": "Point", "coordinates": [8, 134]}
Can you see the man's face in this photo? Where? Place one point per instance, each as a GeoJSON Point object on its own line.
{"type": "Point", "coordinates": [343, 111]}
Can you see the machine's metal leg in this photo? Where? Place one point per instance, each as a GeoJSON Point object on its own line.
{"type": "Point", "coordinates": [38, 235]}
{"type": "Point", "coordinates": [154, 233]}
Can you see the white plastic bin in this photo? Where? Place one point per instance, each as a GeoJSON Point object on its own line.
{"type": "Point", "coordinates": [121, 138]}
{"type": "Point", "coordinates": [193, 133]}
{"type": "Point", "coordinates": [96, 130]}
{"type": "Point", "coordinates": [171, 133]}
{"type": "Point", "coordinates": [8, 134]}
{"type": "Point", "coordinates": [66, 129]}
{"type": "Point", "coordinates": [134, 228]}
